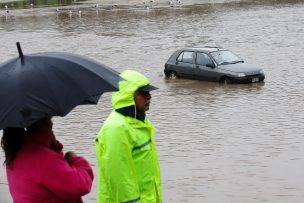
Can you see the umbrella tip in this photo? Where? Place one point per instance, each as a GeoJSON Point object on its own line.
{"type": "Point", "coordinates": [20, 52]}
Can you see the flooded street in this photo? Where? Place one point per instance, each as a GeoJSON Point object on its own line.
{"type": "Point", "coordinates": [216, 143]}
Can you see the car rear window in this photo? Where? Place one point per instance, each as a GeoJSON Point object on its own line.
{"type": "Point", "coordinates": [186, 57]}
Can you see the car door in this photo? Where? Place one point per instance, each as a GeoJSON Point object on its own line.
{"type": "Point", "coordinates": [185, 64]}
{"type": "Point", "coordinates": [204, 67]}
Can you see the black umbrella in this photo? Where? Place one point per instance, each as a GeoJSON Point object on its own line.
{"type": "Point", "coordinates": [50, 84]}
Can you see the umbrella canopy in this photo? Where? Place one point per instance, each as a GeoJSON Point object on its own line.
{"type": "Point", "coordinates": [50, 84]}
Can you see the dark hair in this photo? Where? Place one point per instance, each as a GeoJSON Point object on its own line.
{"type": "Point", "coordinates": [42, 124]}
{"type": "Point", "coordinates": [11, 142]}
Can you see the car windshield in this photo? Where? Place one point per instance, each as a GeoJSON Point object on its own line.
{"type": "Point", "coordinates": [225, 57]}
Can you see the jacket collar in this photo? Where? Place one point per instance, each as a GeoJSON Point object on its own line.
{"type": "Point", "coordinates": [130, 111]}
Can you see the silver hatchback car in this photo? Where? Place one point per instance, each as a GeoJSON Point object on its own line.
{"type": "Point", "coordinates": [211, 64]}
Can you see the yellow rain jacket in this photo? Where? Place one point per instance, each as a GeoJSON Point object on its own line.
{"type": "Point", "coordinates": [128, 163]}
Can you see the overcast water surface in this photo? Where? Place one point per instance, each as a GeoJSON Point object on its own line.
{"type": "Point", "coordinates": [216, 143]}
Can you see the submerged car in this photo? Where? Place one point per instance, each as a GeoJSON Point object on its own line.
{"type": "Point", "coordinates": [211, 64]}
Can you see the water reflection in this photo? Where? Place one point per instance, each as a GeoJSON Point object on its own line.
{"type": "Point", "coordinates": [37, 3]}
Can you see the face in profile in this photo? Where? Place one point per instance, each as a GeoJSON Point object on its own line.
{"type": "Point", "coordinates": [142, 101]}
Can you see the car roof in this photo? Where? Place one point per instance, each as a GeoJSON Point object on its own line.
{"type": "Point", "coordinates": [203, 49]}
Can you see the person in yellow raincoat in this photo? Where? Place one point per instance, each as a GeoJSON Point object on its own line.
{"type": "Point", "coordinates": [128, 163]}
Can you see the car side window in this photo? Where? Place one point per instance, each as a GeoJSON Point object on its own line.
{"type": "Point", "coordinates": [186, 57]}
{"type": "Point", "coordinates": [203, 59]}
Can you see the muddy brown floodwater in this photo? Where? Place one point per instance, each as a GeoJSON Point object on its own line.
{"type": "Point", "coordinates": [216, 143]}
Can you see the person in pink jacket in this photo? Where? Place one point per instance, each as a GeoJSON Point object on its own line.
{"type": "Point", "coordinates": [38, 171]}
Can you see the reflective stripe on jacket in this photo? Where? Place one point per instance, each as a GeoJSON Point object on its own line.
{"type": "Point", "coordinates": [127, 158]}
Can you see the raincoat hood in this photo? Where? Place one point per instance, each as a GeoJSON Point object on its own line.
{"type": "Point", "coordinates": [125, 96]}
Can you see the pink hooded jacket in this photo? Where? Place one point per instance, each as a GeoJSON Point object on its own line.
{"type": "Point", "coordinates": [41, 174]}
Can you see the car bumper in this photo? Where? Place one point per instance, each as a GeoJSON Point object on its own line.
{"type": "Point", "coordinates": [249, 79]}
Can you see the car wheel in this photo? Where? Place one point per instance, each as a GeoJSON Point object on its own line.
{"type": "Point", "coordinates": [173, 75]}
{"type": "Point", "coordinates": [226, 80]}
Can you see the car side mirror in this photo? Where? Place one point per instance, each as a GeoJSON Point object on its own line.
{"type": "Point", "coordinates": [210, 65]}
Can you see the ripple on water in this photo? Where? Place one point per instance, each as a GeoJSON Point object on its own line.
{"type": "Point", "coordinates": [216, 143]}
